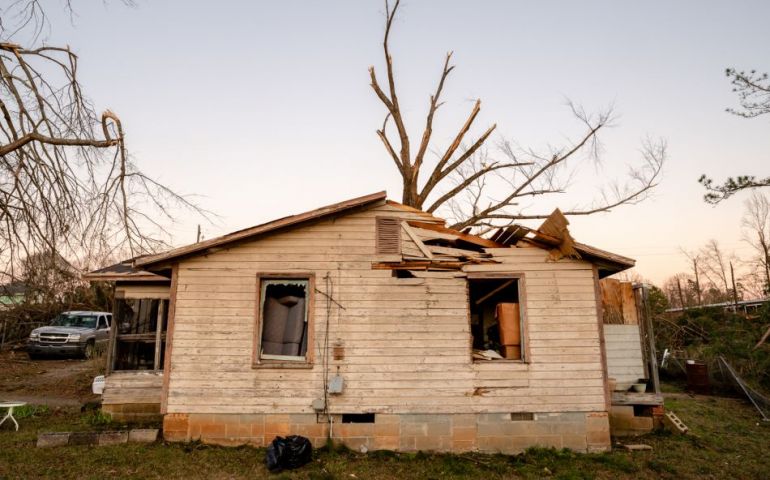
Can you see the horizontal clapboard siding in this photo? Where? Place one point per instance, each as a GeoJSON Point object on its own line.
{"type": "Point", "coordinates": [406, 340]}
{"type": "Point", "coordinates": [132, 387]}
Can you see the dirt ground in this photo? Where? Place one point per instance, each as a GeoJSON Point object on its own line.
{"type": "Point", "coordinates": [53, 382]}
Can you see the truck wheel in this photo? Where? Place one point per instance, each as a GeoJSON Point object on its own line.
{"type": "Point", "coordinates": [88, 351]}
{"type": "Point", "coordinates": [34, 356]}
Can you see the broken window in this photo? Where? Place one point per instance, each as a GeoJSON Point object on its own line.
{"type": "Point", "coordinates": [284, 319]}
{"type": "Point", "coordinates": [140, 334]}
{"type": "Point", "coordinates": [496, 318]}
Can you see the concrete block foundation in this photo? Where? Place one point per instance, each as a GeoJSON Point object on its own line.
{"type": "Point", "coordinates": [485, 432]}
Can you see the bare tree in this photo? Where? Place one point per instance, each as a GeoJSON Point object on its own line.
{"type": "Point", "coordinates": [756, 232]}
{"type": "Point", "coordinates": [715, 264]}
{"type": "Point", "coordinates": [67, 184]}
{"type": "Point", "coordinates": [464, 177]}
{"type": "Point", "coordinates": [753, 91]}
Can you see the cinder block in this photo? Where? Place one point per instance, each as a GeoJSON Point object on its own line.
{"type": "Point", "coordinates": [436, 429]}
{"type": "Point", "coordinates": [622, 411]}
{"type": "Point", "coordinates": [143, 435]}
{"type": "Point", "coordinates": [302, 418]}
{"type": "Point", "coordinates": [237, 430]}
{"type": "Point", "coordinates": [577, 443]}
{"type": "Point", "coordinates": [112, 438]}
{"type": "Point", "coordinates": [385, 443]}
{"type": "Point", "coordinates": [463, 434]}
{"type": "Point", "coordinates": [433, 443]}
{"type": "Point", "coordinates": [387, 429]}
{"type": "Point", "coordinates": [53, 439]}
{"type": "Point", "coordinates": [414, 429]}
{"type": "Point", "coordinates": [463, 446]}
{"type": "Point", "coordinates": [83, 438]}
{"type": "Point", "coordinates": [464, 420]}
{"type": "Point", "coordinates": [213, 430]}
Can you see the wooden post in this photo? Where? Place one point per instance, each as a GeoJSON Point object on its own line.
{"type": "Point", "coordinates": [650, 339]}
{"type": "Point", "coordinates": [111, 347]}
{"type": "Point", "coordinates": [735, 290]}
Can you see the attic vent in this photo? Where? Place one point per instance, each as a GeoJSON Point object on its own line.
{"type": "Point", "coordinates": [388, 235]}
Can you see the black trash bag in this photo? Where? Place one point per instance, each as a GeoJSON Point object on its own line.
{"type": "Point", "coordinates": [291, 452]}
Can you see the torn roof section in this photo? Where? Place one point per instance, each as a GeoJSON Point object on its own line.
{"type": "Point", "coordinates": [445, 248]}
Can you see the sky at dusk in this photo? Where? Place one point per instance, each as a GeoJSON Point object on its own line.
{"type": "Point", "coordinates": [264, 108]}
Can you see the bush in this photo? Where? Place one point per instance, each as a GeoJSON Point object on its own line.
{"type": "Point", "coordinates": [706, 334]}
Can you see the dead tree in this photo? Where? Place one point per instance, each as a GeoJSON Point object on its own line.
{"type": "Point", "coordinates": [475, 189]}
{"type": "Point", "coordinates": [67, 184]}
{"type": "Point", "coordinates": [756, 232]}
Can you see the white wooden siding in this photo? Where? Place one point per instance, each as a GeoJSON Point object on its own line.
{"type": "Point", "coordinates": [624, 352]}
{"type": "Point", "coordinates": [132, 387]}
{"type": "Point", "coordinates": [407, 341]}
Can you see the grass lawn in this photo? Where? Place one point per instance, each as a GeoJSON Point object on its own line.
{"type": "Point", "coordinates": [728, 441]}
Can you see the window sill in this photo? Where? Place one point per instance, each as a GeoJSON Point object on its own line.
{"type": "Point", "coordinates": [281, 365]}
{"type": "Point", "coordinates": [500, 360]}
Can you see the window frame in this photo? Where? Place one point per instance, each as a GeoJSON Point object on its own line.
{"type": "Point", "coordinates": [520, 277]}
{"type": "Point", "coordinates": [256, 360]}
{"type": "Point", "coordinates": [164, 309]}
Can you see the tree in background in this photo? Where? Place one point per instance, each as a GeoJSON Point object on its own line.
{"type": "Point", "coordinates": [67, 183]}
{"type": "Point", "coordinates": [756, 232]}
{"type": "Point", "coordinates": [753, 91]}
{"type": "Point", "coordinates": [477, 190]}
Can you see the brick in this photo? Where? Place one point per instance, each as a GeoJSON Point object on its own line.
{"type": "Point", "coordinates": [176, 426]}
{"type": "Point", "coordinates": [143, 435]}
{"type": "Point", "coordinates": [53, 439]}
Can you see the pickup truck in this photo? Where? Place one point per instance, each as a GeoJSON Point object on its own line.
{"type": "Point", "coordinates": [75, 333]}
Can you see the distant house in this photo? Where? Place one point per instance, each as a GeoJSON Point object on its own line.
{"type": "Point", "coordinates": [371, 323]}
{"type": "Point", "coordinates": [12, 293]}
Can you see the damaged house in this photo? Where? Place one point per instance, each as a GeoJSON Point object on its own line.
{"type": "Point", "coordinates": [371, 323]}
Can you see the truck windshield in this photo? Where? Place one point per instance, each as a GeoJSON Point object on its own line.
{"type": "Point", "coordinates": [65, 320]}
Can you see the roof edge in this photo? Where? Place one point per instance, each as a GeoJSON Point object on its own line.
{"type": "Point", "coordinates": [262, 229]}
